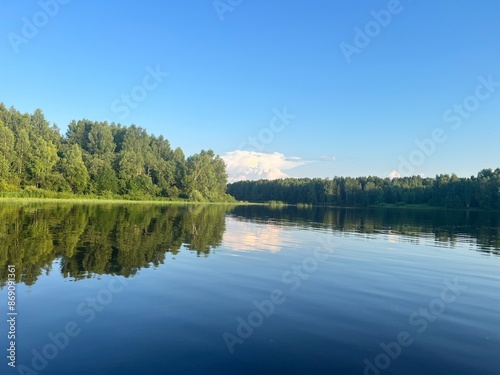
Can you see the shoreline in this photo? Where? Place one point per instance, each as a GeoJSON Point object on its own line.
{"type": "Point", "coordinates": [81, 200]}
{"type": "Point", "coordinates": [95, 200]}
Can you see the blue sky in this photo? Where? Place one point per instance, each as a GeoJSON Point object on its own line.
{"type": "Point", "coordinates": [227, 79]}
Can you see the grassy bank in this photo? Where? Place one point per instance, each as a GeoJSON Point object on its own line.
{"type": "Point", "coordinates": [279, 204]}
{"type": "Point", "coordinates": [86, 200]}
{"type": "Point", "coordinates": [45, 196]}
{"type": "Point", "coordinates": [38, 195]}
{"type": "Point", "coordinates": [428, 207]}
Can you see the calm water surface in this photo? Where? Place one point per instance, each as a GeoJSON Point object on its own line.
{"type": "Point", "coordinates": [250, 290]}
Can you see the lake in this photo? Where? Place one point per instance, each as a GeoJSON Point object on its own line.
{"type": "Point", "coordinates": [151, 289]}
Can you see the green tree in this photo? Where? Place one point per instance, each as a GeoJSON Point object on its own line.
{"type": "Point", "coordinates": [100, 141]}
{"type": "Point", "coordinates": [42, 159]}
{"type": "Point", "coordinates": [206, 175]}
{"type": "Point", "coordinates": [74, 170]}
{"type": "Point", "coordinates": [7, 154]}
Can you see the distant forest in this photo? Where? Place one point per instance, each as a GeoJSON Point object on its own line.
{"type": "Point", "coordinates": [97, 158]}
{"type": "Point", "coordinates": [445, 190]}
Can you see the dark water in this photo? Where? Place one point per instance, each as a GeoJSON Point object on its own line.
{"type": "Point", "coordinates": [134, 289]}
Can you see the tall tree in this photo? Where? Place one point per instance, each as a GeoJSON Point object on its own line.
{"type": "Point", "coordinates": [206, 176]}
{"type": "Point", "coordinates": [42, 158]}
{"type": "Point", "coordinates": [7, 155]}
{"type": "Point", "coordinates": [74, 170]}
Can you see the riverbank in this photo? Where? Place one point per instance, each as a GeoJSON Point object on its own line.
{"type": "Point", "coordinates": [280, 205]}
{"type": "Point", "coordinates": [20, 197]}
{"type": "Point", "coordinates": [40, 195]}
{"type": "Point", "coordinates": [429, 207]}
{"type": "Point", "coordinates": [94, 200]}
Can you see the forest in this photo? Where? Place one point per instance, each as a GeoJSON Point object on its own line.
{"type": "Point", "coordinates": [111, 160]}
{"type": "Point", "coordinates": [97, 158]}
{"type": "Point", "coordinates": [481, 191]}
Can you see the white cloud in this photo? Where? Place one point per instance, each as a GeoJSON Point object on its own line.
{"type": "Point", "coordinates": [394, 174]}
{"type": "Point", "coordinates": [250, 165]}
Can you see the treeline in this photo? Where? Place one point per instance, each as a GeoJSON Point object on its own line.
{"type": "Point", "coordinates": [450, 191]}
{"type": "Point", "coordinates": [102, 159]}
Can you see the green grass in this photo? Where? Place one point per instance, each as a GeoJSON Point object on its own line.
{"type": "Point", "coordinates": [115, 201]}
{"type": "Point", "coordinates": [276, 204]}
{"type": "Point", "coordinates": [38, 195]}
{"type": "Point", "coordinates": [88, 200]}
{"type": "Point", "coordinates": [304, 205]}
